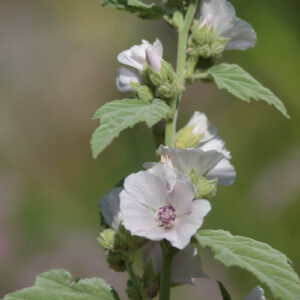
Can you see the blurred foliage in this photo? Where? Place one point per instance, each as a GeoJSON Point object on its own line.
{"type": "Point", "coordinates": [58, 65]}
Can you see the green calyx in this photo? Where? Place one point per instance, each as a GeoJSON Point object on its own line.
{"type": "Point", "coordinates": [205, 42]}
{"type": "Point", "coordinates": [205, 188]}
{"type": "Point", "coordinates": [166, 81]}
{"type": "Point", "coordinates": [143, 92]}
{"type": "Point", "coordinates": [187, 139]}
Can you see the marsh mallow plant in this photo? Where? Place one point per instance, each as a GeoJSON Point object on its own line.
{"type": "Point", "coordinates": [159, 211]}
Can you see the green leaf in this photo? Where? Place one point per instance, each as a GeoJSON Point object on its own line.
{"type": "Point", "coordinates": [225, 294]}
{"type": "Point", "coordinates": [56, 285]}
{"type": "Point", "coordinates": [267, 264]}
{"type": "Point", "coordinates": [118, 115]}
{"type": "Point", "coordinates": [145, 11]}
{"type": "Point", "coordinates": [241, 84]}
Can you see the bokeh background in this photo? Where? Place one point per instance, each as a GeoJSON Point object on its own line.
{"type": "Point", "coordinates": [58, 65]}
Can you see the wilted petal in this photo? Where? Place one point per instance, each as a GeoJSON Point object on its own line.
{"type": "Point", "coordinates": [242, 36]}
{"type": "Point", "coordinates": [256, 294]}
{"type": "Point", "coordinates": [110, 208]}
{"type": "Point", "coordinates": [124, 79]}
{"type": "Point", "coordinates": [186, 264]}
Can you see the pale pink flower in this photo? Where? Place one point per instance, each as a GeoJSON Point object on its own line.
{"type": "Point", "coordinates": [159, 204]}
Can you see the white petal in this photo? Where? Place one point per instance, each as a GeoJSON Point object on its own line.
{"type": "Point", "coordinates": [187, 266]}
{"type": "Point", "coordinates": [185, 160]}
{"type": "Point", "coordinates": [216, 144]}
{"type": "Point", "coordinates": [151, 187]}
{"type": "Point", "coordinates": [127, 59]}
{"type": "Point", "coordinates": [256, 294]}
{"type": "Point", "coordinates": [224, 171]}
{"type": "Point", "coordinates": [221, 12]}
{"type": "Point", "coordinates": [110, 208]}
{"type": "Point", "coordinates": [124, 79]}
{"type": "Point", "coordinates": [242, 36]}
{"type": "Point", "coordinates": [181, 197]}
{"type": "Point", "coordinates": [158, 47]}
{"type": "Point", "coordinates": [153, 59]}
{"type": "Point", "coordinates": [188, 224]}
{"type": "Point", "coordinates": [201, 126]}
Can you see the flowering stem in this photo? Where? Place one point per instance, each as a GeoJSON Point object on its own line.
{"type": "Point", "coordinates": [136, 282]}
{"type": "Point", "coordinates": [183, 34]}
{"type": "Point", "coordinates": [165, 276]}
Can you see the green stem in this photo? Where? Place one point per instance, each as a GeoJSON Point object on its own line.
{"type": "Point", "coordinates": [183, 35]}
{"type": "Point", "coordinates": [165, 276]}
{"type": "Point", "coordinates": [136, 281]}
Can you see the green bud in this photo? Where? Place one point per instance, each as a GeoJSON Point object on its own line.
{"type": "Point", "coordinates": [106, 239]}
{"type": "Point", "coordinates": [187, 139]}
{"type": "Point", "coordinates": [205, 42]}
{"type": "Point", "coordinates": [205, 188]}
{"type": "Point", "coordinates": [154, 77]}
{"type": "Point", "coordinates": [143, 91]}
{"type": "Point", "coordinates": [132, 291]}
{"type": "Point", "coordinates": [115, 261]}
{"type": "Point", "coordinates": [177, 20]}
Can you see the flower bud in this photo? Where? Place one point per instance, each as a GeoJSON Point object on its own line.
{"type": "Point", "coordinates": [153, 59]}
{"type": "Point", "coordinates": [125, 78]}
{"type": "Point", "coordinates": [106, 239]}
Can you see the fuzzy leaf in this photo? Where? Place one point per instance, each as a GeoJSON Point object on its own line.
{"type": "Point", "coordinates": [267, 264]}
{"type": "Point", "coordinates": [145, 11]}
{"type": "Point", "coordinates": [241, 84]}
{"type": "Point", "coordinates": [57, 285]}
{"type": "Point", "coordinates": [118, 115]}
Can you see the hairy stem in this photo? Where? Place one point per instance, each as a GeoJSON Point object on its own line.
{"type": "Point", "coordinates": [136, 281]}
{"type": "Point", "coordinates": [183, 34]}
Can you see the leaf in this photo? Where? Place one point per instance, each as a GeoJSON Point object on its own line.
{"type": "Point", "coordinates": [118, 115]}
{"type": "Point", "coordinates": [241, 84]}
{"type": "Point", "coordinates": [57, 285]}
{"type": "Point", "coordinates": [145, 11]}
{"type": "Point", "coordinates": [225, 294]}
{"type": "Point", "coordinates": [267, 264]}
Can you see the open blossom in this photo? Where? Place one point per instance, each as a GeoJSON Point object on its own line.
{"type": "Point", "coordinates": [221, 15]}
{"type": "Point", "coordinates": [110, 208]}
{"type": "Point", "coordinates": [256, 294]}
{"type": "Point", "coordinates": [186, 264]}
{"type": "Point", "coordinates": [158, 204]}
{"type": "Point", "coordinates": [206, 141]}
{"type": "Point", "coordinates": [136, 57]}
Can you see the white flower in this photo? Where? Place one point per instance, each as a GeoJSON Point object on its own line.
{"type": "Point", "coordinates": [125, 78]}
{"type": "Point", "coordinates": [221, 15]}
{"type": "Point", "coordinates": [186, 264]}
{"type": "Point", "coordinates": [135, 57]}
{"type": "Point", "coordinates": [256, 294]}
{"type": "Point", "coordinates": [110, 208]}
{"type": "Point", "coordinates": [153, 59]}
{"type": "Point", "coordinates": [158, 204]}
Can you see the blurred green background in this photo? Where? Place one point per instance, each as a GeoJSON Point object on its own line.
{"type": "Point", "coordinates": [58, 65]}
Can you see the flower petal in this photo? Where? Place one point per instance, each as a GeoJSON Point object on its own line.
{"type": "Point", "coordinates": [256, 294]}
{"type": "Point", "coordinates": [185, 160]}
{"type": "Point", "coordinates": [110, 208]}
{"type": "Point", "coordinates": [242, 36]}
{"type": "Point", "coordinates": [224, 171]}
{"type": "Point", "coordinates": [124, 79]}
{"type": "Point", "coordinates": [216, 144]}
{"type": "Point", "coordinates": [188, 224]}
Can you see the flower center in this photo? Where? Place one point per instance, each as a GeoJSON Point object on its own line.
{"type": "Point", "coordinates": [166, 216]}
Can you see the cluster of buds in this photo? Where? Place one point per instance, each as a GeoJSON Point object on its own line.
{"type": "Point", "coordinates": [150, 77]}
